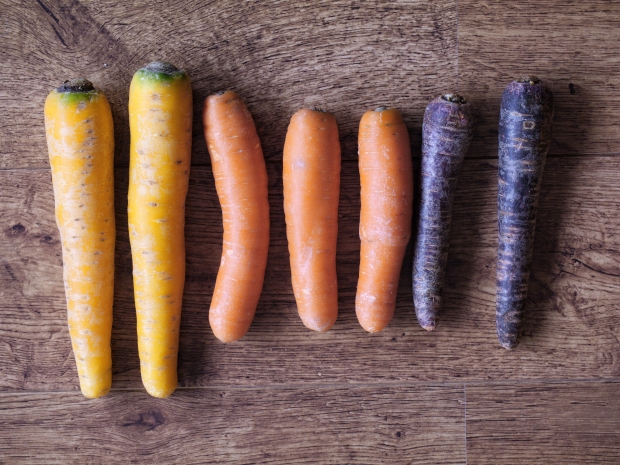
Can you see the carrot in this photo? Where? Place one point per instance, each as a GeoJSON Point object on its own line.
{"type": "Point", "coordinates": [524, 136]}
{"type": "Point", "coordinates": [386, 178]}
{"type": "Point", "coordinates": [446, 133]}
{"type": "Point", "coordinates": [160, 122]}
{"type": "Point", "coordinates": [80, 139]}
{"type": "Point", "coordinates": [311, 178]}
{"type": "Point", "coordinates": [241, 182]}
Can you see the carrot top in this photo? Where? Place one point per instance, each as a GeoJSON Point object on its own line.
{"type": "Point", "coordinates": [77, 90]}
{"type": "Point", "coordinates": [76, 85]}
{"type": "Point", "coordinates": [454, 98]}
{"type": "Point", "coordinates": [160, 71]}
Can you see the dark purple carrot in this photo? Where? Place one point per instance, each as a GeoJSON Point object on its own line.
{"type": "Point", "coordinates": [524, 136]}
{"type": "Point", "coordinates": [446, 133]}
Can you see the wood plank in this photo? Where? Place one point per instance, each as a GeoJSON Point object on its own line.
{"type": "Point", "coordinates": [573, 46]}
{"type": "Point", "coordinates": [574, 313]}
{"type": "Point", "coordinates": [572, 423]}
{"type": "Point", "coordinates": [251, 426]}
{"type": "Point", "coordinates": [344, 56]}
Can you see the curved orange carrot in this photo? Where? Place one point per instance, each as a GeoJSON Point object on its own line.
{"type": "Point", "coordinates": [160, 122]}
{"type": "Point", "coordinates": [311, 180]}
{"type": "Point", "coordinates": [80, 138]}
{"type": "Point", "coordinates": [241, 182]}
{"type": "Point", "coordinates": [386, 178]}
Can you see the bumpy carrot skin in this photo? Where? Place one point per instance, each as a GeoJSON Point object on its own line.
{"type": "Point", "coordinates": [241, 182]}
{"type": "Point", "coordinates": [386, 178]}
{"type": "Point", "coordinates": [160, 122]}
{"type": "Point", "coordinates": [80, 139]}
{"type": "Point", "coordinates": [526, 115]}
{"type": "Point", "coordinates": [447, 131]}
{"type": "Point", "coordinates": [311, 179]}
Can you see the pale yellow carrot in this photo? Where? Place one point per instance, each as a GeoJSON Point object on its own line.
{"type": "Point", "coordinates": [160, 121]}
{"type": "Point", "coordinates": [80, 139]}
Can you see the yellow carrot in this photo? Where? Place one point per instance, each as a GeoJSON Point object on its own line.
{"type": "Point", "coordinates": [160, 122]}
{"type": "Point", "coordinates": [80, 140]}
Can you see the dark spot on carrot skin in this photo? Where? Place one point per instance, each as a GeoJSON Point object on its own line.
{"type": "Point", "coordinates": [526, 115]}
{"type": "Point", "coordinates": [529, 125]}
{"type": "Point", "coordinates": [447, 130]}
{"type": "Point", "coordinates": [178, 162]}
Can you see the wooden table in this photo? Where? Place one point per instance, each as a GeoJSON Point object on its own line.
{"type": "Point", "coordinates": [284, 394]}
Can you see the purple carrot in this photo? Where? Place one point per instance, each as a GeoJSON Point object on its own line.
{"type": "Point", "coordinates": [446, 133]}
{"type": "Point", "coordinates": [524, 137]}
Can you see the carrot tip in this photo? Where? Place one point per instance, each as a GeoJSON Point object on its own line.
{"type": "Point", "coordinates": [426, 321]}
{"type": "Point", "coordinates": [374, 328]}
{"type": "Point", "coordinates": [510, 345]}
{"type": "Point", "coordinates": [317, 325]}
{"type": "Point", "coordinates": [90, 393]}
{"type": "Point", "coordinates": [227, 339]}
{"type": "Point", "coordinates": [381, 108]}
{"type": "Point", "coordinates": [220, 92]}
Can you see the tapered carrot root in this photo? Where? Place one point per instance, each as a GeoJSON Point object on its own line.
{"type": "Point", "coordinates": [80, 138]}
{"type": "Point", "coordinates": [446, 134]}
{"type": "Point", "coordinates": [311, 178]}
{"type": "Point", "coordinates": [160, 121]}
{"type": "Point", "coordinates": [241, 182]}
{"type": "Point", "coordinates": [526, 115]}
{"type": "Point", "coordinates": [386, 178]}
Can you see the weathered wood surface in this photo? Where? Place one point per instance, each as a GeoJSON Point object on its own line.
{"type": "Point", "coordinates": [573, 323]}
{"type": "Point", "coordinates": [568, 423]}
{"type": "Point", "coordinates": [343, 396]}
{"type": "Point", "coordinates": [344, 56]}
{"type": "Point", "coordinates": [364, 425]}
{"type": "Point", "coordinates": [573, 46]}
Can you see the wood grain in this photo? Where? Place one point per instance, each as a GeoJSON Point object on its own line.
{"type": "Point", "coordinates": [573, 46]}
{"type": "Point", "coordinates": [344, 56]}
{"type": "Point", "coordinates": [251, 426]}
{"type": "Point", "coordinates": [568, 423]}
{"type": "Point", "coordinates": [573, 316]}
{"type": "Point", "coordinates": [284, 394]}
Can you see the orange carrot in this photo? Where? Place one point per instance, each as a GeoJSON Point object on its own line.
{"type": "Point", "coordinates": [241, 181]}
{"type": "Point", "coordinates": [386, 178]}
{"type": "Point", "coordinates": [311, 180]}
{"type": "Point", "coordinates": [80, 138]}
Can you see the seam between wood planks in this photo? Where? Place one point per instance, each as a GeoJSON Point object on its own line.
{"type": "Point", "coordinates": [458, 87]}
{"type": "Point", "coordinates": [465, 418]}
{"type": "Point", "coordinates": [312, 386]}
